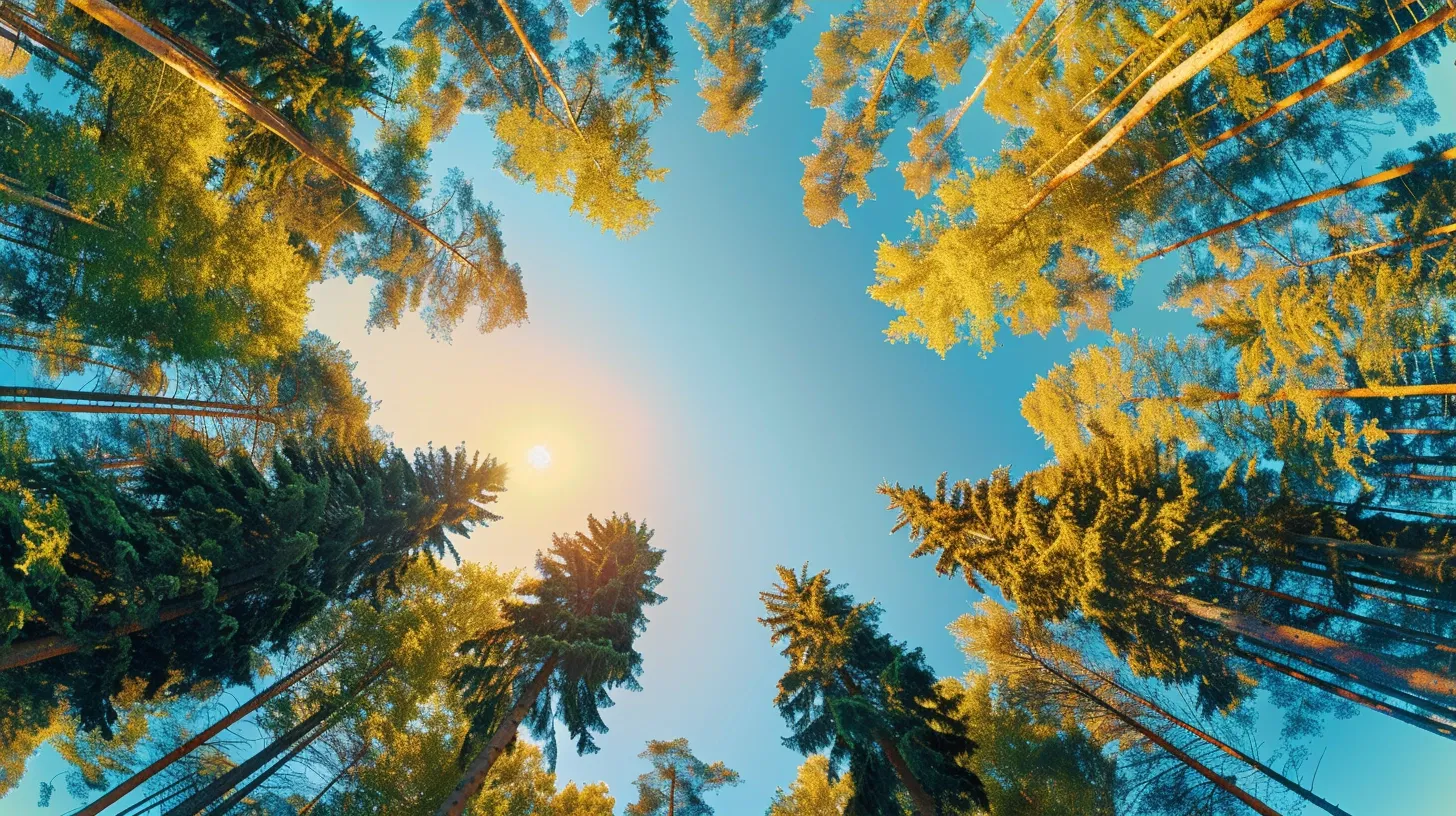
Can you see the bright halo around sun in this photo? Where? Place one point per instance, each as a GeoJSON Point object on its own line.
{"type": "Point", "coordinates": [539, 457]}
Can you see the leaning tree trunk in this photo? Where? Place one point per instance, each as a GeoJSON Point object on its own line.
{"type": "Point", "coordinates": [474, 777]}
{"type": "Point", "coordinates": [26, 398]}
{"type": "Point", "coordinates": [1295, 203]}
{"type": "Point", "coordinates": [1431, 724]}
{"type": "Point", "coordinates": [1219, 780]}
{"type": "Point", "coordinates": [965, 105]}
{"type": "Point", "coordinates": [1426, 26]}
{"type": "Point", "coordinates": [1341, 656]}
{"type": "Point", "coordinates": [1136, 52]}
{"type": "Point", "coordinates": [1303, 792]}
{"type": "Point", "coordinates": [238, 795]}
{"type": "Point", "coordinates": [1406, 633]}
{"type": "Point", "coordinates": [318, 797]}
{"type": "Point", "coordinates": [51, 204]}
{"type": "Point", "coordinates": [211, 731]}
{"type": "Point", "coordinates": [35, 650]}
{"type": "Point", "coordinates": [1261, 15]}
{"type": "Point", "coordinates": [922, 799]}
{"type": "Point", "coordinates": [209, 78]}
{"type": "Point", "coordinates": [214, 790]}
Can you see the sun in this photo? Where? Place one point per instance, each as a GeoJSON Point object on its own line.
{"type": "Point", "coordinates": [539, 457]}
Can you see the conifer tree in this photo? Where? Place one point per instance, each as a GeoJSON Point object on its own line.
{"type": "Point", "coordinates": [678, 782]}
{"type": "Point", "coordinates": [871, 702]}
{"type": "Point", "coordinates": [813, 792]}
{"type": "Point", "coordinates": [734, 36]}
{"type": "Point", "coordinates": [560, 653]}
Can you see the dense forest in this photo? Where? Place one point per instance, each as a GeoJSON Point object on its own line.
{"type": "Point", "coordinates": [224, 589]}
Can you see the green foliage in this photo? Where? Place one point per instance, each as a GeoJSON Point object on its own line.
{"type": "Point", "coordinates": [871, 702]}
{"type": "Point", "coordinates": [678, 781]}
{"type": "Point", "coordinates": [578, 619]}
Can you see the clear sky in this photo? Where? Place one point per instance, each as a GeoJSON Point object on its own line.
{"type": "Point", "coordinates": [724, 377]}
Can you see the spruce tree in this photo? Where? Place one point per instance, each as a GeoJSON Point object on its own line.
{"type": "Point", "coordinates": [678, 782]}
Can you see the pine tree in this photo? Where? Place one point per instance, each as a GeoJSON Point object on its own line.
{"type": "Point", "coordinates": [734, 36]}
{"type": "Point", "coordinates": [560, 654]}
{"type": "Point", "coordinates": [678, 782]}
{"type": "Point", "coordinates": [813, 792]}
{"type": "Point", "coordinates": [872, 702]}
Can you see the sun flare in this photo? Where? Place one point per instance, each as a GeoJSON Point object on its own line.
{"type": "Point", "coordinates": [539, 457]}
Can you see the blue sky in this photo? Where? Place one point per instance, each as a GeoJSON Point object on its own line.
{"type": "Point", "coordinates": [724, 376]}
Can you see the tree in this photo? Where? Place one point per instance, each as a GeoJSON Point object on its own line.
{"type": "Point", "coordinates": [245, 559]}
{"type": "Point", "coordinates": [678, 781]}
{"type": "Point", "coordinates": [1031, 761]}
{"type": "Point", "coordinates": [562, 121]}
{"type": "Point", "coordinates": [734, 35]}
{"type": "Point", "coordinates": [813, 792]}
{"type": "Point", "coordinates": [870, 701]}
{"type": "Point", "coordinates": [561, 653]}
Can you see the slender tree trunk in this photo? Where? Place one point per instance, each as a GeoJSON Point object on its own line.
{"type": "Point", "coordinates": [24, 392]}
{"type": "Point", "coordinates": [535, 57]}
{"type": "Point", "coordinates": [1422, 431]}
{"type": "Point", "coordinates": [30, 406]}
{"type": "Point", "coordinates": [211, 80]}
{"type": "Point", "coordinates": [1434, 726]}
{"type": "Point", "coordinates": [924, 803]}
{"type": "Point", "coordinates": [1431, 23]}
{"type": "Point", "coordinates": [1152, 38]}
{"type": "Point", "coordinates": [35, 650]}
{"type": "Point", "coordinates": [1415, 700]}
{"type": "Point", "coordinates": [1407, 561]}
{"type": "Point", "coordinates": [474, 777]}
{"type": "Point", "coordinates": [51, 204]}
{"type": "Point", "coordinates": [26, 29]}
{"type": "Point", "coordinates": [221, 785]}
{"type": "Point", "coordinates": [75, 358]}
{"type": "Point", "coordinates": [1304, 793]}
{"type": "Point", "coordinates": [167, 792]}
{"type": "Point", "coordinates": [1343, 656]}
{"type": "Point", "coordinates": [1375, 247]}
{"type": "Point", "coordinates": [1373, 508]}
{"type": "Point", "coordinates": [257, 700]}
{"type": "Point", "coordinates": [1438, 642]}
{"type": "Point", "coordinates": [252, 785]}
{"type": "Point", "coordinates": [672, 795]}
{"type": "Point", "coordinates": [344, 771]}
{"type": "Point", "coordinates": [1107, 109]}
{"type": "Point", "coordinates": [1293, 204]}
{"type": "Point", "coordinates": [1220, 781]}
{"type": "Point", "coordinates": [1383, 586]}
{"type": "Point", "coordinates": [980, 88]}
{"type": "Point", "coordinates": [1264, 12]}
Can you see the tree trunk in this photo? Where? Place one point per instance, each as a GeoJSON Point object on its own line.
{"type": "Point", "coordinates": [1407, 561]}
{"type": "Point", "coordinates": [252, 785]}
{"type": "Point", "coordinates": [980, 88]}
{"type": "Point", "coordinates": [139, 410]}
{"type": "Point", "coordinates": [672, 795]}
{"type": "Point", "coordinates": [168, 792]}
{"type": "Point", "coordinates": [1373, 508]}
{"type": "Point", "coordinates": [1434, 726]}
{"type": "Point", "coordinates": [1426, 26]}
{"type": "Point", "coordinates": [1293, 204]}
{"type": "Point", "coordinates": [208, 77]}
{"type": "Point", "coordinates": [24, 392]}
{"type": "Point", "coordinates": [215, 789]}
{"type": "Point", "coordinates": [474, 777]}
{"type": "Point", "coordinates": [1340, 655]}
{"type": "Point", "coordinates": [51, 204]}
{"type": "Point", "coordinates": [1152, 38]}
{"type": "Point", "coordinates": [25, 652]}
{"type": "Point", "coordinates": [1157, 739]}
{"type": "Point", "coordinates": [1367, 249]}
{"type": "Point", "coordinates": [211, 731]}
{"type": "Point", "coordinates": [1107, 109]}
{"type": "Point", "coordinates": [924, 804]}
{"type": "Point", "coordinates": [1304, 793]}
{"type": "Point", "coordinates": [535, 57]}
{"type": "Point", "coordinates": [318, 797]}
{"type": "Point", "coordinates": [1438, 642]}
{"type": "Point", "coordinates": [1383, 586]}
{"type": "Point", "coordinates": [1261, 15]}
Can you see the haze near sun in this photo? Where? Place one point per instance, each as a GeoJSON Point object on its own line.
{"type": "Point", "coordinates": [539, 457]}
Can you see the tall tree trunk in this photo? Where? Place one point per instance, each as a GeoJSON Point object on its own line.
{"type": "Point", "coordinates": [1367, 249]}
{"type": "Point", "coordinates": [1304, 793]}
{"type": "Point", "coordinates": [51, 204]}
{"type": "Point", "coordinates": [318, 797]}
{"type": "Point", "coordinates": [221, 785]}
{"type": "Point", "coordinates": [252, 785]}
{"type": "Point", "coordinates": [535, 57]}
{"type": "Point", "coordinates": [1447, 730]}
{"type": "Point", "coordinates": [1220, 781]}
{"type": "Point", "coordinates": [34, 650]}
{"type": "Point", "coordinates": [1136, 52]}
{"type": "Point", "coordinates": [1293, 204]}
{"type": "Point", "coordinates": [1374, 508]}
{"type": "Point", "coordinates": [474, 777]}
{"type": "Point", "coordinates": [1338, 654]}
{"type": "Point", "coordinates": [1383, 586]}
{"type": "Point", "coordinates": [965, 105]}
{"type": "Point", "coordinates": [1264, 12]}
{"type": "Point", "coordinates": [1426, 26]}
{"type": "Point", "coordinates": [1421, 562]}
{"type": "Point", "coordinates": [211, 731]}
{"type": "Point", "coordinates": [1438, 642]}
{"type": "Point", "coordinates": [924, 803]}
{"type": "Point", "coordinates": [672, 795]}
{"type": "Point", "coordinates": [1107, 109]}
{"type": "Point", "coordinates": [210, 79]}
{"type": "Point", "coordinates": [24, 392]}
{"type": "Point", "coordinates": [167, 792]}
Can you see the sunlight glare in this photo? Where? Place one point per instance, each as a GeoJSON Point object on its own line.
{"type": "Point", "coordinates": [539, 457]}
